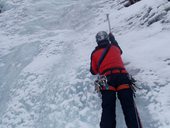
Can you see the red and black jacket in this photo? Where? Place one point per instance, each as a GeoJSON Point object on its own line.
{"type": "Point", "coordinates": [111, 61]}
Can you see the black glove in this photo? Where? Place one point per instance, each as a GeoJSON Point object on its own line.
{"type": "Point", "coordinates": [112, 38]}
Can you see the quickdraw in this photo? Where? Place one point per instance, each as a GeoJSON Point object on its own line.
{"type": "Point", "coordinates": [101, 83]}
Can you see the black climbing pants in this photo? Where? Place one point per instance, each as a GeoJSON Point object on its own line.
{"type": "Point", "coordinates": [108, 119]}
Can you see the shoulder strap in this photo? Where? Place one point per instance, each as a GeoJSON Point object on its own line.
{"type": "Point", "coordinates": [104, 53]}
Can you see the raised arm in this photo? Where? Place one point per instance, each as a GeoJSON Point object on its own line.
{"type": "Point", "coordinates": [114, 42]}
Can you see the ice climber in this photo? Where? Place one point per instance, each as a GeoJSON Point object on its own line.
{"type": "Point", "coordinates": [111, 66]}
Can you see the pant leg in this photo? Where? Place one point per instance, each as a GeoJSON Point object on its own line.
{"type": "Point", "coordinates": [129, 108]}
{"type": "Point", "coordinates": [108, 118]}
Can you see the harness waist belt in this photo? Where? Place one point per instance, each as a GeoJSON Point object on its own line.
{"type": "Point", "coordinates": [114, 71]}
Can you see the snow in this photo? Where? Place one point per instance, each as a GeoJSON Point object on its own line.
{"type": "Point", "coordinates": [45, 52]}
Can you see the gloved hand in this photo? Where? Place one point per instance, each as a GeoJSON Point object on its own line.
{"type": "Point", "coordinates": [112, 38]}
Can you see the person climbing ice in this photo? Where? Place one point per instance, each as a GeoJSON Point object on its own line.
{"type": "Point", "coordinates": [106, 61]}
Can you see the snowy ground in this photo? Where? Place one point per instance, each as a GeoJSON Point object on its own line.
{"type": "Point", "coordinates": [45, 51]}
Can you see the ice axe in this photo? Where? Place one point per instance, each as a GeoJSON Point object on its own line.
{"type": "Point", "coordinates": [107, 15]}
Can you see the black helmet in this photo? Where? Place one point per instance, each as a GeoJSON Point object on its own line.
{"type": "Point", "coordinates": [102, 36]}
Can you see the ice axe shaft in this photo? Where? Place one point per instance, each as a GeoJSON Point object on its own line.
{"type": "Point", "coordinates": [108, 22]}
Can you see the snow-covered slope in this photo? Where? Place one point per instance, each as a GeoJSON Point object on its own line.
{"type": "Point", "coordinates": [45, 51]}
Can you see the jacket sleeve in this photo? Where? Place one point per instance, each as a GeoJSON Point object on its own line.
{"type": "Point", "coordinates": [117, 45]}
{"type": "Point", "coordinates": [114, 42]}
{"type": "Point", "coordinates": [93, 66]}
